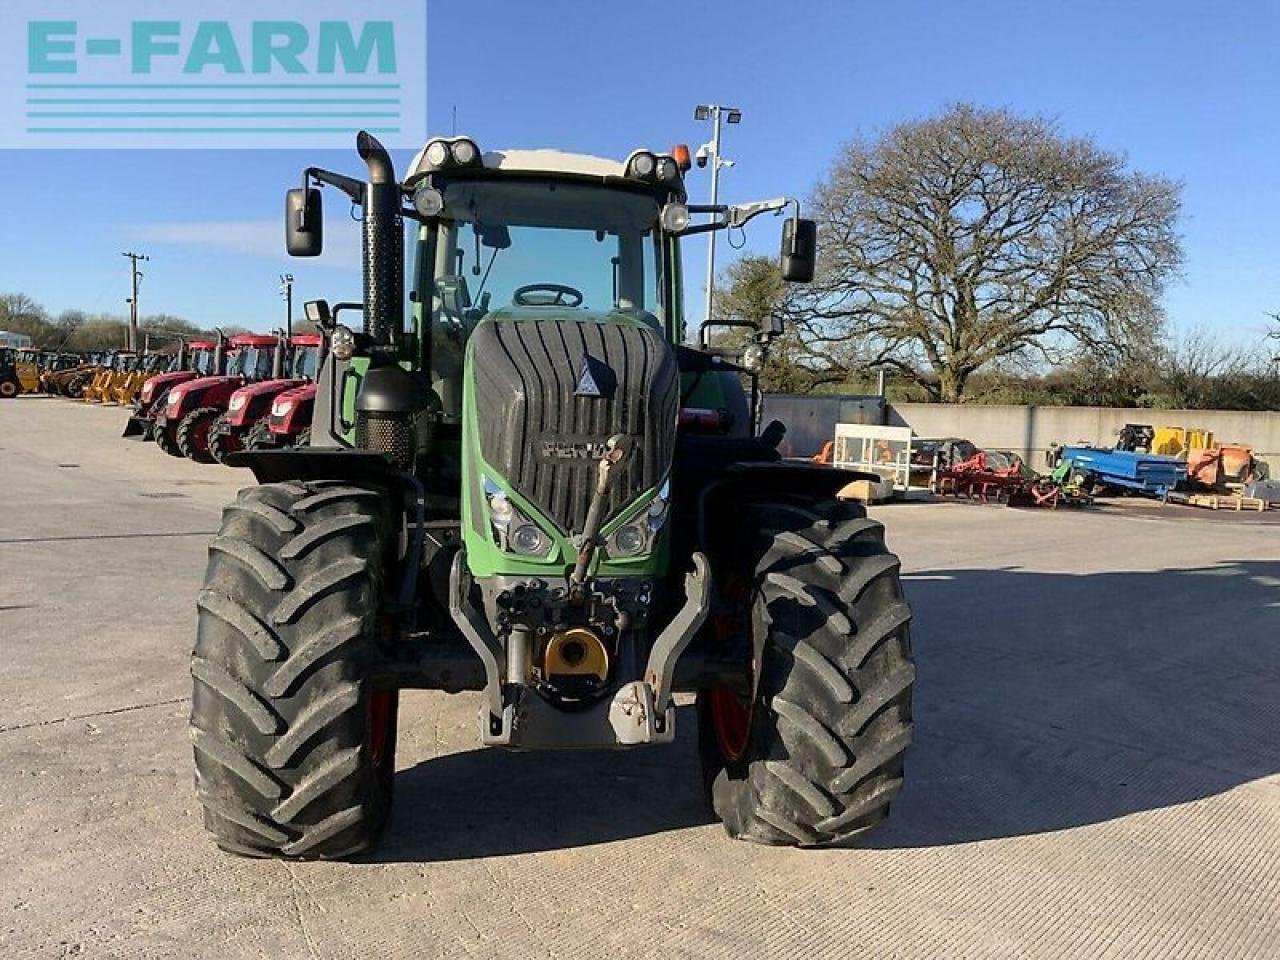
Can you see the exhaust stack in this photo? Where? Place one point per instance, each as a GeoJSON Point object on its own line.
{"type": "Point", "coordinates": [383, 244]}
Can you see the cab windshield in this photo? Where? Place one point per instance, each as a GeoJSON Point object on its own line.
{"type": "Point", "coordinates": [202, 362]}
{"type": "Point", "coordinates": [252, 363]}
{"type": "Point", "coordinates": [504, 245]}
{"type": "Point", "coordinates": [304, 363]}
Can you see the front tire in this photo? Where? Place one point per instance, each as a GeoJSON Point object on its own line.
{"type": "Point", "coordinates": [192, 436]}
{"type": "Point", "coordinates": [294, 737]}
{"type": "Point", "coordinates": [221, 444]}
{"type": "Point", "coordinates": [814, 758]}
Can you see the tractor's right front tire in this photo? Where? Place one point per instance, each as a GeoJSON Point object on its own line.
{"type": "Point", "coordinates": [815, 756]}
{"type": "Point", "coordinates": [294, 736]}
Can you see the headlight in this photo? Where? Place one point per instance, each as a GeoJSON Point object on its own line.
{"type": "Point", "coordinates": [465, 152]}
{"type": "Point", "coordinates": [639, 535]}
{"type": "Point", "coordinates": [529, 540]}
{"type": "Point", "coordinates": [281, 408]}
{"type": "Point", "coordinates": [512, 530]}
{"type": "Point", "coordinates": [675, 218]}
{"type": "Point", "coordinates": [427, 200]}
{"type": "Point", "coordinates": [753, 358]}
{"type": "Point", "coordinates": [642, 165]}
{"type": "Point", "coordinates": [175, 397]}
{"type": "Point", "coordinates": [437, 153]}
{"type": "Point", "coordinates": [237, 402]}
{"type": "Point", "coordinates": [147, 390]}
{"type": "Point", "coordinates": [342, 342]}
{"type": "Point", "coordinates": [628, 540]}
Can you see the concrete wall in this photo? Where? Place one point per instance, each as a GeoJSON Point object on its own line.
{"type": "Point", "coordinates": [1030, 430]}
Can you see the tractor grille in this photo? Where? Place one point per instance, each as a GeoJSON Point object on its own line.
{"type": "Point", "coordinates": [545, 438]}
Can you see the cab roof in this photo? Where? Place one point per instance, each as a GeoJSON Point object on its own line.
{"type": "Point", "coordinates": [305, 340]}
{"type": "Point", "coordinates": [253, 340]}
{"type": "Point", "coordinates": [201, 345]}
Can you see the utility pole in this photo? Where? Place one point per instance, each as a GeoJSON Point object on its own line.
{"type": "Point", "coordinates": [710, 153]}
{"type": "Point", "coordinates": [286, 291]}
{"type": "Point", "coordinates": [135, 276]}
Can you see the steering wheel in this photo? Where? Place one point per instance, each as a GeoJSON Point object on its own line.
{"type": "Point", "coordinates": [553, 295]}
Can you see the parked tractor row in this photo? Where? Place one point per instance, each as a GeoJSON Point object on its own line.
{"type": "Point", "coordinates": [250, 392]}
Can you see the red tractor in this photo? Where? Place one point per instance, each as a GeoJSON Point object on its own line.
{"type": "Point", "coordinates": [250, 406]}
{"type": "Point", "coordinates": [182, 427]}
{"type": "Point", "coordinates": [289, 424]}
{"type": "Point", "coordinates": [197, 358]}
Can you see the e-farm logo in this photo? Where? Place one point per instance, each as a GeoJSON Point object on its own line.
{"type": "Point", "coordinates": [233, 73]}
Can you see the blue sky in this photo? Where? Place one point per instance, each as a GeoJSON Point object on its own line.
{"type": "Point", "coordinates": [1185, 89]}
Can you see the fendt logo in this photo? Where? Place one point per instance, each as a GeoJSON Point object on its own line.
{"type": "Point", "coordinates": [557, 449]}
{"type": "Point", "coordinates": [236, 74]}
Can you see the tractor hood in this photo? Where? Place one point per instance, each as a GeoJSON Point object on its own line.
{"type": "Point", "coordinates": [163, 381]}
{"type": "Point", "coordinates": [249, 402]}
{"type": "Point", "coordinates": [186, 396]}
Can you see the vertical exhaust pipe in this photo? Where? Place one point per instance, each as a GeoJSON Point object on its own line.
{"type": "Point", "coordinates": [383, 244]}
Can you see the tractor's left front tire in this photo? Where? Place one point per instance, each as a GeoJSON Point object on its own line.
{"type": "Point", "coordinates": [294, 734]}
{"type": "Point", "coordinates": [9, 389]}
{"type": "Point", "coordinates": [815, 756]}
{"type": "Point", "coordinates": [193, 434]}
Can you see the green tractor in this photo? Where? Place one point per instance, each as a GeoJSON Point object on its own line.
{"type": "Point", "coordinates": [527, 486]}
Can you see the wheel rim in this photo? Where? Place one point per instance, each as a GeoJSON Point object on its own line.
{"type": "Point", "coordinates": [730, 717]}
{"type": "Point", "coordinates": [731, 722]}
{"type": "Point", "coordinates": [381, 705]}
{"type": "Point", "coordinates": [200, 435]}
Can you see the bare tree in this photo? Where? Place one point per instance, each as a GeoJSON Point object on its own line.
{"type": "Point", "coordinates": [977, 236]}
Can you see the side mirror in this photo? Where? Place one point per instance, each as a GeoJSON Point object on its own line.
{"type": "Point", "coordinates": [799, 250]}
{"type": "Point", "coordinates": [317, 312]}
{"type": "Point", "coordinates": [303, 223]}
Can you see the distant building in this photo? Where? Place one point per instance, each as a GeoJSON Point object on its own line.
{"type": "Point", "coordinates": [19, 340]}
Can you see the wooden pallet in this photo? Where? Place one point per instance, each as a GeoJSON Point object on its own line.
{"type": "Point", "coordinates": [1231, 501]}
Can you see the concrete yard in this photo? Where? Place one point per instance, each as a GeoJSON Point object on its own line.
{"type": "Point", "coordinates": [1096, 770]}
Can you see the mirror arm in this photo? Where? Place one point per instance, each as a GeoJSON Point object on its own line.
{"type": "Point", "coordinates": [737, 215]}
{"type": "Point", "coordinates": [352, 187]}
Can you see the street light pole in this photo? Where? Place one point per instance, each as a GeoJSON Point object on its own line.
{"type": "Point", "coordinates": [715, 113]}
{"type": "Point", "coordinates": [286, 291]}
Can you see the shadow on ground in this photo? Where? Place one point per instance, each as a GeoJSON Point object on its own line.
{"type": "Point", "coordinates": [487, 802]}
{"type": "Point", "coordinates": [1050, 701]}
{"type": "Point", "coordinates": [1044, 701]}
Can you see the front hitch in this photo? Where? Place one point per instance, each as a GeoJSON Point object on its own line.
{"type": "Point", "coordinates": [639, 712]}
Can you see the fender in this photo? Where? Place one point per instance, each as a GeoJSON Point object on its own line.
{"type": "Point", "coordinates": [319, 463]}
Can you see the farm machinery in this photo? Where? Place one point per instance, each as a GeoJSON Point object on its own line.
{"type": "Point", "coordinates": [196, 358]}
{"type": "Point", "coordinates": [500, 496]}
{"type": "Point", "coordinates": [289, 422]}
{"type": "Point", "coordinates": [181, 428]}
{"type": "Point", "coordinates": [249, 408]}
{"type": "Point", "coordinates": [17, 375]}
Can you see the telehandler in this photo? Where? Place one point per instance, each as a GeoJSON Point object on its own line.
{"type": "Point", "coordinates": [530, 488]}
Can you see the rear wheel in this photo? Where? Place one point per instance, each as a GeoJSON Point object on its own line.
{"type": "Point", "coordinates": [294, 737]}
{"type": "Point", "coordinates": [815, 755]}
{"type": "Point", "coordinates": [75, 388]}
{"type": "Point", "coordinates": [9, 389]}
{"type": "Point", "coordinates": [192, 436]}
